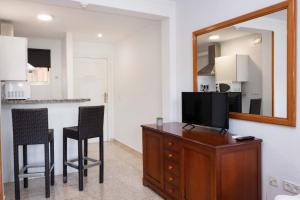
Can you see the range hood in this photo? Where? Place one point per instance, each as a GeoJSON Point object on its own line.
{"type": "Point", "coordinates": [209, 69]}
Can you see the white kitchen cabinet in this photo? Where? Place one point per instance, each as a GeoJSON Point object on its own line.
{"type": "Point", "coordinates": [13, 58]}
{"type": "Point", "coordinates": [231, 68]}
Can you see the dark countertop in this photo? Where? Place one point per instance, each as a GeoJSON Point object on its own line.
{"type": "Point", "coordinates": [205, 136]}
{"type": "Point", "coordinates": [43, 101]}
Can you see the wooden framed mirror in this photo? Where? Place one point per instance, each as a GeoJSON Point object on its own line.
{"type": "Point", "coordinates": [253, 59]}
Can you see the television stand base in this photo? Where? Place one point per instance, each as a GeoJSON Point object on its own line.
{"type": "Point", "coordinates": [192, 126]}
{"type": "Point", "coordinates": [223, 131]}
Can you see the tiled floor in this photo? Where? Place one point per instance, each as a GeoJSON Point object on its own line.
{"type": "Point", "coordinates": [122, 180]}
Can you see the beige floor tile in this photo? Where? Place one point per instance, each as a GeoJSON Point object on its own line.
{"type": "Point", "coordinates": [122, 180]}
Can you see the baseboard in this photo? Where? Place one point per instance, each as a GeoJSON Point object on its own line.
{"type": "Point", "coordinates": [96, 140]}
{"type": "Point", "coordinates": [127, 148]}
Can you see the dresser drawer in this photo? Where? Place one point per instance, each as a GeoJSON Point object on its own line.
{"type": "Point", "coordinates": [172, 191]}
{"type": "Point", "coordinates": [171, 167]}
{"type": "Point", "coordinates": [172, 156]}
{"type": "Point", "coordinates": [171, 179]}
{"type": "Point", "coordinates": [171, 143]}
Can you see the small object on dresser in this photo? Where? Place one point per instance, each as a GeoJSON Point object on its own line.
{"type": "Point", "coordinates": [159, 121]}
{"type": "Point", "coordinates": [244, 138]}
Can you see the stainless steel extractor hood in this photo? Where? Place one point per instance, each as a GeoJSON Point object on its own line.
{"type": "Point", "coordinates": [209, 69]}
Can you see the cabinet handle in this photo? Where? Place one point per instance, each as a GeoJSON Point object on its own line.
{"type": "Point", "coordinates": [170, 143]}
{"type": "Point", "coordinates": [170, 167]}
{"type": "Point", "coordinates": [170, 190]}
{"type": "Point", "coordinates": [170, 155]}
{"type": "Point", "coordinates": [170, 179]}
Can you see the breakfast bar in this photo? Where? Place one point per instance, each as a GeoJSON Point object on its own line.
{"type": "Point", "coordinates": [61, 112]}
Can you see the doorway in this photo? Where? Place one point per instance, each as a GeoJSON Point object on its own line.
{"type": "Point", "coordinates": [91, 81]}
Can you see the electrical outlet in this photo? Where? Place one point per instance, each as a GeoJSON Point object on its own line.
{"type": "Point", "coordinates": [291, 187]}
{"type": "Point", "coordinates": [273, 181]}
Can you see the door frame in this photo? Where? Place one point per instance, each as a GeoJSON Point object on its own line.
{"type": "Point", "coordinates": [110, 103]}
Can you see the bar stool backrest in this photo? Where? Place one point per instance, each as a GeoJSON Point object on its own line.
{"type": "Point", "coordinates": [90, 123]}
{"type": "Point", "coordinates": [30, 126]}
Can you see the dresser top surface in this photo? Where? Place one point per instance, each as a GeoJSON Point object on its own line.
{"type": "Point", "coordinates": [203, 135]}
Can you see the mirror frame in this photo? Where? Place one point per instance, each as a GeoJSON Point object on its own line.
{"type": "Point", "coordinates": [290, 5]}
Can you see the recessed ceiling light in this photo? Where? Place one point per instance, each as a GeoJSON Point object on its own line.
{"type": "Point", "coordinates": [214, 37]}
{"type": "Point", "coordinates": [257, 40]}
{"type": "Point", "coordinates": [45, 17]}
{"type": "Point", "coordinates": [100, 35]}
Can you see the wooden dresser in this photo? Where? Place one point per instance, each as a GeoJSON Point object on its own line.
{"type": "Point", "coordinates": [200, 164]}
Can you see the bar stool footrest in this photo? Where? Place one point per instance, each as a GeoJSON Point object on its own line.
{"type": "Point", "coordinates": [22, 173]}
{"type": "Point", "coordinates": [95, 162]}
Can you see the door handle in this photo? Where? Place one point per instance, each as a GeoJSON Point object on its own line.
{"type": "Point", "coordinates": [105, 97]}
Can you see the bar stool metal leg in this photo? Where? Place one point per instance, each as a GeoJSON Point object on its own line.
{"type": "Point", "coordinates": [52, 160]}
{"type": "Point", "coordinates": [101, 166]}
{"type": "Point", "coordinates": [85, 155]}
{"type": "Point", "coordinates": [16, 171]}
{"type": "Point", "coordinates": [80, 165]}
{"type": "Point", "coordinates": [24, 164]}
{"type": "Point", "coordinates": [47, 169]}
{"type": "Point", "coordinates": [65, 153]}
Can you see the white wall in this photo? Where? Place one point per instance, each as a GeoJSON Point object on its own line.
{"type": "Point", "coordinates": [280, 150]}
{"type": "Point", "coordinates": [165, 10]}
{"type": "Point", "coordinates": [137, 89]}
{"type": "Point", "coordinates": [54, 88]}
{"type": "Point", "coordinates": [68, 65]}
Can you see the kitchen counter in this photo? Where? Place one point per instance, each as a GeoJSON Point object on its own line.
{"type": "Point", "coordinates": [43, 101]}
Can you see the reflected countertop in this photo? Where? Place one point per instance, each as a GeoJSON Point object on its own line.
{"type": "Point", "coordinates": [43, 101]}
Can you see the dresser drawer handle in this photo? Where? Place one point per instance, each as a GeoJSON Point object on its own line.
{"type": "Point", "coordinates": [171, 190]}
{"type": "Point", "coordinates": [170, 155]}
{"type": "Point", "coordinates": [170, 167]}
{"type": "Point", "coordinates": [170, 179]}
{"type": "Point", "coordinates": [170, 143]}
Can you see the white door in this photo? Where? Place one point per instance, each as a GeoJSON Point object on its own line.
{"type": "Point", "coordinates": [90, 81]}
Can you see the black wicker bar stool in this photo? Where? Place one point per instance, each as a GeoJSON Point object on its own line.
{"type": "Point", "coordinates": [90, 125]}
{"type": "Point", "coordinates": [30, 127]}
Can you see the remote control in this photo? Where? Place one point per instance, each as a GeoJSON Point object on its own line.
{"type": "Point", "coordinates": [245, 138]}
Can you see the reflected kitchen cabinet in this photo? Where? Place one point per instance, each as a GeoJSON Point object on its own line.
{"type": "Point", "coordinates": [232, 68]}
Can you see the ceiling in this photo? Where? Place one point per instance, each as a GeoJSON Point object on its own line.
{"type": "Point", "coordinates": [225, 34]}
{"type": "Point", "coordinates": [236, 31]}
{"type": "Point", "coordinates": [84, 22]}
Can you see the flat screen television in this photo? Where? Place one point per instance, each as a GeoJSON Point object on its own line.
{"type": "Point", "coordinates": [206, 109]}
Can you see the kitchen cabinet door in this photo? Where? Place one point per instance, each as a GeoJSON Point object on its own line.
{"type": "Point", "coordinates": [13, 58]}
{"type": "Point", "coordinates": [225, 67]}
{"type": "Point", "coordinates": [231, 68]}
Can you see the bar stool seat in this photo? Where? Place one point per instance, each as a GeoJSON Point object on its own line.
{"type": "Point", "coordinates": [30, 127]}
{"type": "Point", "coordinates": [90, 125]}
{"type": "Point", "coordinates": [71, 132]}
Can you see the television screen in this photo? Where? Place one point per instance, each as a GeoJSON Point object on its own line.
{"type": "Point", "coordinates": [189, 108]}
{"type": "Point", "coordinates": [205, 108]}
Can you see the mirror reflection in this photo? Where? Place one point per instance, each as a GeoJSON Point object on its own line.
{"type": "Point", "coordinates": [249, 62]}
